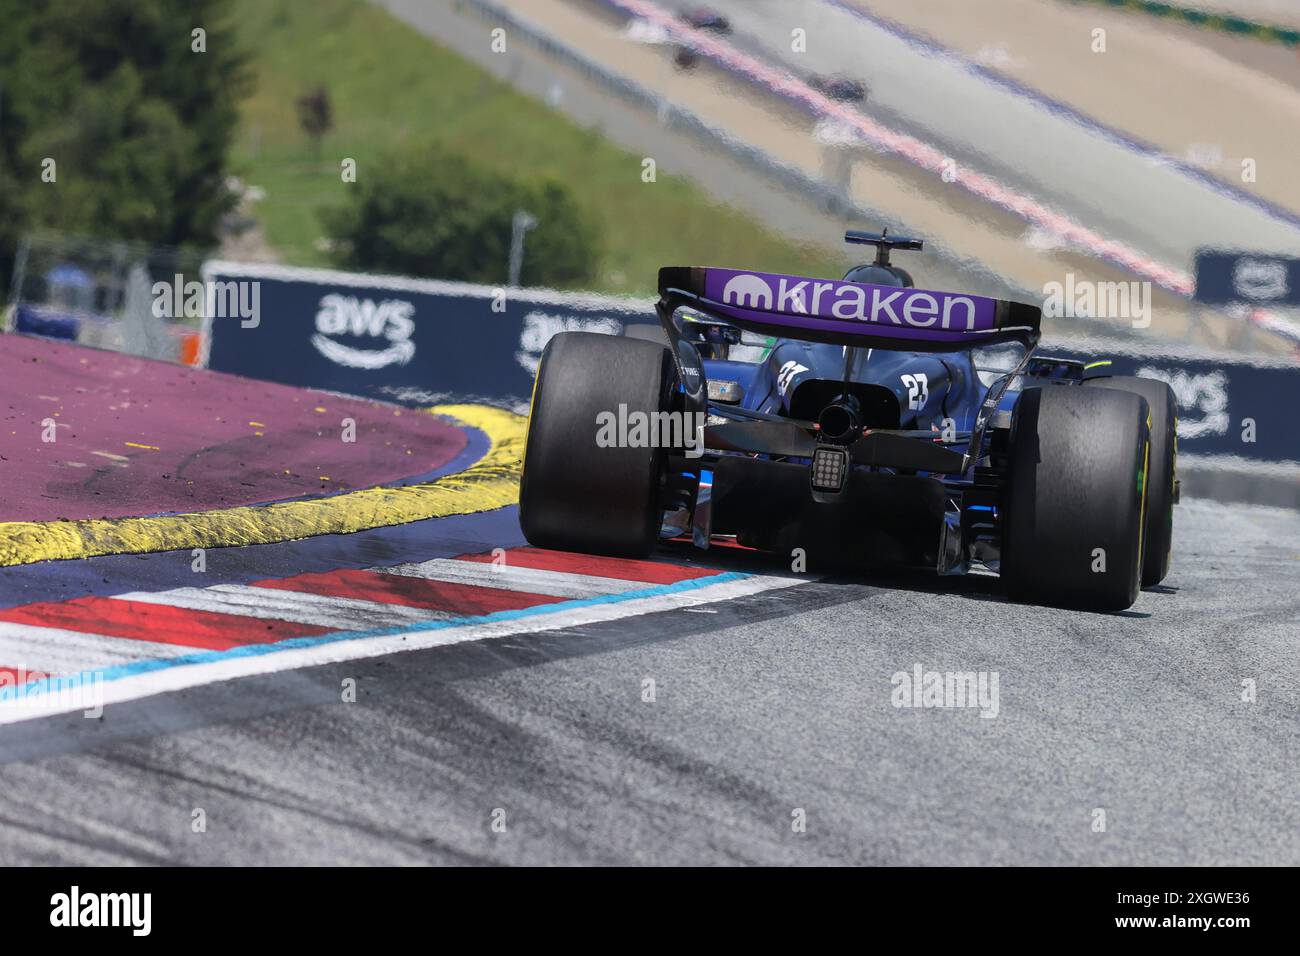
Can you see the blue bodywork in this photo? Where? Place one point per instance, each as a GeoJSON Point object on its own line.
{"type": "Point", "coordinates": [927, 387]}
{"type": "Point", "coordinates": [833, 435]}
{"type": "Point", "coordinates": [930, 390]}
{"type": "Point", "coordinates": [916, 392]}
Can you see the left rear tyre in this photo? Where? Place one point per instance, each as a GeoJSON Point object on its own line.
{"type": "Point", "coordinates": [578, 494]}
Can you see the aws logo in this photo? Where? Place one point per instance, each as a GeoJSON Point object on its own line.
{"type": "Point", "coordinates": [539, 328]}
{"type": "Point", "coordinates": [1260, 280]}
{"type": "Point", "coordinates": [1202, 400]}
{"type": "Point", "coordinates": [389, 321]}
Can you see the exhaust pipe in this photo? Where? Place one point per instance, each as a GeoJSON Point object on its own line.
{"type": "Point", "coordinates": [841, 420]}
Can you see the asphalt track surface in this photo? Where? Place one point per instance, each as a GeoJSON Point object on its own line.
{"type": "Point", "coordinates": [763, 705]}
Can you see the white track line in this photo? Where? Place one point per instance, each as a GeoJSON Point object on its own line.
{"type": "Point", "coordinates": [52, 650]}
{"type": "Point", "coordinates": [232, 664]}
{"type": "Point", "coordinates": [561, 584]}
{"type": "Point", "coordinates": [345, 614]}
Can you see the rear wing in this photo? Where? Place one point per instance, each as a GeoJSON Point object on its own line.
{"type": "Point", "coordinates": [846, 313]}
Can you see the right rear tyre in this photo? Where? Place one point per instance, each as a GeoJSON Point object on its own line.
{"type": "Point", "coordinates": [1074, 505]}
{"type": "Point", "coordinates": [1162, 473]}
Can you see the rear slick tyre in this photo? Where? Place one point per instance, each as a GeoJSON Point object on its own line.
{"type": "Point", "coordinates": [1161, 478]}
{"type": "Point", "coordinates": [575, 495]}
{"type": "Point", "coordinates": [1073, 509]}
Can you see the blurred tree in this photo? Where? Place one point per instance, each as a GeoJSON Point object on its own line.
{"type": "Point", "coordinates": [119, 155]}
{"type": "Point", "coordinates": [432, 213]}
{"type": "Point", "coordinates": [315, 115]}
{"type": "Point", "coordinates": [135, 107]}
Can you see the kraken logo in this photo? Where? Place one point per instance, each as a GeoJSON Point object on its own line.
{"type": "Point", "coordinates": [749, 291]}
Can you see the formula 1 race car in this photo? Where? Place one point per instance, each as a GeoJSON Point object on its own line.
{"type": "Point", "coordinates": [880, 425]}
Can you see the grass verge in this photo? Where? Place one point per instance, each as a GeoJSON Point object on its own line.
{"type": "Point", "coordinates": [392, 88]}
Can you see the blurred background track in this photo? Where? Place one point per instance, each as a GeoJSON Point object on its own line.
{"type": "Point", "coordinates": [1198, 96]}
{"type": "Point", "coordinates": [1052, 154]}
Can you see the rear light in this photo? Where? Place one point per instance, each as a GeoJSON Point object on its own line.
{"type": "Point", "coordinates": [830, 468]}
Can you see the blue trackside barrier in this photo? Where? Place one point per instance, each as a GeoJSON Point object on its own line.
{"type": "Point", "coordinates": [417, 342]}
{"type": "Point", "coordinates": [1237, 406]}
{"type": "Point", "coordinates": [412, 341]}
{"type": "Point", "coordinates": [46, 322]}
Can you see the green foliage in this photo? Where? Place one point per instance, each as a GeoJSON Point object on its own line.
{"type": "Point", "coordinates": [400, 89]}
{"type": "Point", "coordinates": [429, 212]}
{"type": "Point", "coordinates": [137, 122]}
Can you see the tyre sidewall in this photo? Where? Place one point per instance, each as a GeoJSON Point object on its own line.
{"type": "Point", "coordinates": [1159, 530]}
{"type": "Point", "coordinates": [575, 495]}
